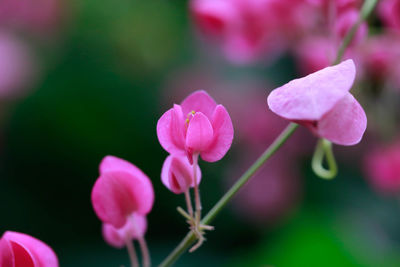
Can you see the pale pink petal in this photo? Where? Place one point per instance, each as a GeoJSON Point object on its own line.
{"type": "Point", "coordinates": [170, 130]}
{"type": "Point", "coordinates": [223, 135]}
{"type": "Point", "coordinates": [199, 134]}
{"type": "Point", "coordinates": [345, 124]}
{"type": "Point", "coordinates": [177, 174]}
{"type": "Point", "coordinates": [24, 245]}
{"type": "Point", "coordinates": [311, 97]}
{"type": "Point", "coordinates": [6, 254]}
{"type": "Point", "coordinates": [117, 194]}
{"type": "Point", "coordinates": [199, 101]}
{"type": "Point", "coordinates": [134, 228]}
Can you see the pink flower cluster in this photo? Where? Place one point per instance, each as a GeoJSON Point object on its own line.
{"type": "Point", "coordinates": [248, 30]}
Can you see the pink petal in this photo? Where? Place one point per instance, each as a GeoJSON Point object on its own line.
{"type": "Point", "coordinates": [29, 251]}
{"type": "Point", "coordinates": [117, 194]}
{"type": "Point", "coordinates": [345, 124]}
{"type": "Point", "coordinates": [177, 174]}
{"type": "Point", "coordinates": [112, 163]}
{"type": "Point", "coordinates": [133, 229]}
{"type": "Point", "coordinates": [311, 97]}
{"type": "Point", "coordinates": [223, 135]}
{"type": "Point", "coordinates": [199, 101]}
{"type": "Point", "coordinates": [170, 130]}
{"type": "Point", "coordinates": [6, 254]}
{"type": "Point", "coordinates": [199, 133]}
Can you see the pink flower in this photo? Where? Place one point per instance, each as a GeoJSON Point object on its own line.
{"type": "Point", "coordinates": [121, 191]}
{"type": "Point", "coordinates": [389, 12]}
{"type": "Point", "coordinates": [16, 66]}
{"type": "Point", "coordinates": [314, 54]}
{"type": "Point", "coordinates": [245, 29]}
{"type": "Point", "coordinates": [346, 21]}
{"type": "Point", "coordinates": [177, 174]}
{"type": "Point", "coordinates": [39, 16]}
{"type": "Point", "coordinates": [21, 250]}
{"type": "Point", "coordinates": [382, 167]}
{"type": "Point", "coordinates": [321, 101]}
{"type": "Point", "coordinates": [197, 126]}
{"type": "Point", "coordinates": [134, 228]}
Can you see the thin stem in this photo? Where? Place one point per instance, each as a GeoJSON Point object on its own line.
{"type": "Point", "coordinates": [324, 150]}
{"type": "Point", "coordinates": [196, 188]}
{"type": "Point", "coordinates": [366, 10]}
{"type": "Point", "coordinates": [190, 238]}
{"type": "Point", "coordinates": [132, 254]}
{"type": "Point", "coordinates": [189, 203]}
{"type": "Point", "coordinates": [145, 252]}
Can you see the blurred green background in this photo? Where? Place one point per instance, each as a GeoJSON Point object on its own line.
{"type": "Point", "coordinates": [101, 92]}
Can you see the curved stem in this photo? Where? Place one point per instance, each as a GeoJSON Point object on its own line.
{"type": "Point", "coordinates": [196, 188]}
{"type": "Point", "coordinates": [145, 252]}
{"type": "Point", "coordinates": [324, 150]}
{"type": "Point", "coordinates": [189, 203]}
{"type": "Point", "coordinates": [132, 254]}
{"type": "Point", "coordinates": [190, 238]}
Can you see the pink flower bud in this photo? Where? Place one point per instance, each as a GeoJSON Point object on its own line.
{"type": "Point", "coordinates": [134, 228]}
{"type": "Point", "coordinates": [321, 101]}
{"type": "Point", "coordinates": [345, 22]}
{"type": "Point", "coordinates": [21, 250]}
{"type": "Point", "coordinates": [198, 125]}
{"type": "Point", "coordinates": [177, 174]}
{"type": "Point", "coordinates": [121, 190]}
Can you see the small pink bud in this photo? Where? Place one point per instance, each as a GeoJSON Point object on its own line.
{"type": "Point", "coordinates": [389, 12]}
{"type": "Point", "coordinates": [198, 125]}
{"type": "Point", "coordinates": [134, 228]}
{"type": "Point", "coordinates": [21, 250]}
{"type": "Point", "coordinates": [177, 174]}
{"type": "Point", "coordinates": [121, 190]}
{"type": "Point", "coordinates": [321, 101]}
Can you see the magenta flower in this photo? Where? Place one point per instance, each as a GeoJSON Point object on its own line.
{"type": "Point", "coordinates": [21, 250]}
{"type": "Point", "coordinates": [135, 228]}
{"type": "Point", "coordinates": [321, 101]}
{"type": "Point", "coordinates": [389, 12]}
{"type": "Point", "coordinates": [197, 126]}
{"type": "Point", "coordinates": [177, 174]}
{"type": "Point", "coordinates": [382, 168]}
{"type": "Point", "coordinates": [121, 191]}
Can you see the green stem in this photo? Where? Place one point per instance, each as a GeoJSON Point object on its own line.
{"type": "Point", "coordinates": [190, 237]}
{"type": "Point", "coordinates": [366, 10]}
{"type": "Point", "coordinates": [324, 150]}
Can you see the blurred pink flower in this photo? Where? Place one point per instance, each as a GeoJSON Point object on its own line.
{"type": "Point", "coordinates": [245, 29]}
{"type": "Point", "coordinates": [21, 250]}
{"type": "Point", "coordinates": [346, 21]}
{"type": "Point", "coordinates": [271, 194]}
{"type": "Point", "coordinates": [315, 53]}
{"type": "Point", "coordinates": [121, 191]}
{"type": "Point", "coordinates": [38, 16]}
{"type": "Point", "coordinates": [321, 101]}
{"type": "Point", "coordinates": [177, 174]}
{"type": "Point", "coordinates": [134, 228]}
{"type": "Point", "coordinates": [382, 168]}
{"type": "Point", "coordinates": [16, 67]}
{"type": "Point", "coordinates": [197, 126]}
{"type": "Point", "coordinates": [389, 13]}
